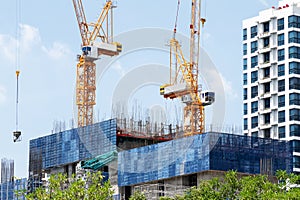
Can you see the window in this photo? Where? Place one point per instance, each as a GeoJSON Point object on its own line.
{"type": "Point", "coordinates": [281, 86]}
{"type": "Point", "coordinates": [296, 146]}
{"type": "Point", "coordinates": [294, 21]}
{"type": "Point", "coordinates": [280, 39]}
{"type": "Point", "coordinates": [245, 93]}
{"type": "Point", "coordinates": [294, 68]}
{"type": "Point", "coordinates": [254, 76]}
{"type": "Point", "coordinates": [267, 133]}
{"type": "Point", "coordinates": [254, 61]}
{"type": "Point", "coordinates": [295, 114]}
{"type": "Point", "coordinates": [266, 26]}
{"type": "Point", "coordinates": [294, 37]}
{"type": "Point", "coordinates": [281, 132]}
{"type": "Point", "coordinates": [253, 46]}
{"type": "Point", "coordinates": [294, 83]}
{"type": "Point", "coordinates": [266, 42]}
{"type": "Point", "coordinates": [280, 24]}
{"type": "Point", "coordinates": [254, 92]}
{"type": "Point", "coordinates": [280, 54]}
{"type": "Point", "coordinates": [266, 87]}
{"type": "Point", "coordinates": [245, 124]}
{"type": "Point", "coordinates": [254, 134]}
{"type": "Point", "coordinates": [281, 70]}
{"type": "Point", "coordinates": [281, 101]}
{"type": "Point", "coordinates": [266, 57]}
{"type": "Point", "coordinates": [295, 99]}
{"type": "Point", "coordinates": [294, 52]}
{"type": "Point", "coordinates": [244, 34]}
{"type": "Point", "coordinates": [295, 130]}
{"type": "Point", "coordinates": [245, 79]}
{"type": "Point", "coordinates": [244, 63]}
{"type": "Point", "coordinates": [253, 31]}
{"type": "Point", "coordinates": [296, 162]}
{"type": "Point", "coordinates": [254, 107]}
{"type": "Point", "coordinates": [281, 116]}
{"type": "Point", "coordinates": [245, 109]}
{"type": "Point", "coordinates": [267, 72]}
{"type": "Point", "coordinates": [267, 118]}
{"type": "Point", "coordinates": [244, 49]}
{"type": "Point", "coordinates": [254, 122]}
{"type": "Point", "coordinates": [267, 103]}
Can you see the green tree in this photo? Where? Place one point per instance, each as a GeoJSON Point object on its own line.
{"type": "Point", "coordinates": [138, 196]}
{"type": "Point", "coordinates": [62, 188]}
{"type": "Point", "coordinates": [230, 186]}
{"type": "Point", "coordinates": [206, 190]}
{"type": "Point", "coordinates": [247, 187]}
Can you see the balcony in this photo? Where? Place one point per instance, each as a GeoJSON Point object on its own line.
{"type": "Point", "coordinates": [265, 126]}
{"type": "Point", "coordinates": [264, 80]}
{"type": "Point", "coordinates": [265, 95]}
{"type": "Point", "coordinates": [264, 64]}
{"type": "Point", "coordinates": [264, 49]}
{"type": "Point", "coordinates": [264, 111]}
{"type": "Point", "coordinates": [263, 35]}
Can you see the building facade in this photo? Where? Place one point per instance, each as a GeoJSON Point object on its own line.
{"type": "Point", "coordinates": [271, 75]}
{"type": "Point", "coordinates": [11, 187]}
{"type": "Point", "coordinates": [184, 162]}
{"type": "Point", "coordinates": [170, 166]}
{"type": "Point", "coordinates": [7, 170]}
{"type": "Point", "coordinates": [7, 191]}
{"type": "Point", "coordinates": [61, 152]}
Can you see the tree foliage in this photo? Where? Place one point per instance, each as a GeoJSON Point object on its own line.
{"type": "Point", "coordinates": [231, 187]}
{"type": "Point", "coordinates": [62, 188]}
{"type": "Point", "coordinates": [138, 196]}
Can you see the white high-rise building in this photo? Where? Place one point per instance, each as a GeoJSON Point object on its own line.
{"type": "Point", "coordinates": [271, 75]}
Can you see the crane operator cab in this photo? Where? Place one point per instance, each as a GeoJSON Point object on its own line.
{"type": "Point", "coordinates": [207, 97]}
{"type": "Point", "coordinates": [100, 48]}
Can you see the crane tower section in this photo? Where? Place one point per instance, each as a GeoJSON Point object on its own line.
{"type": "Point", "coordinates": [97, 41]}
{"type": "Point", "coordinates": [184, 77]}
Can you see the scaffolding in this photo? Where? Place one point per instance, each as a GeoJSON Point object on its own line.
{"type": "Point", "coordinates": [66, 148]}
{"type": "Point", "coordinates": [208, 151]}
{"type": "Point", "coordinates": [156, 190]}
{"type": "Point", "coordinates": [129, 127]}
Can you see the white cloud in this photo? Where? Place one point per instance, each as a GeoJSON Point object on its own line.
{"type": "Point", "coordinates": [264, 2]}
{"type": "Point", "coordinates": [2, 94]}
{"type": "Point", "coordinates": [8, 47]}
{"type": "Point", "coordinates": [118, 67]}
{"type": "Point", "coordinates": [57, 50]}
{"type": "Point", "coordinates": [229, 90]}
{"type": "Point", "coordinates": [30, 36]}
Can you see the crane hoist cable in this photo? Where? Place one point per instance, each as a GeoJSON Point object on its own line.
{"type": "Point", "coordinates": [184, 82]}
{"type": "Point", "coordinates": [176, 19]}
{"type": "Point", "coordinates": [17, 132]}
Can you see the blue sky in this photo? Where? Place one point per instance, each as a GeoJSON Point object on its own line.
{"type": "Point", "coordinates": [50, 41]}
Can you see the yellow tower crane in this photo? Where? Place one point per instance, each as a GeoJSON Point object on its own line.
{"type": "Point", "coordinates": [184, 76]}
{"type": "Point", "coordinates": [97, 40]}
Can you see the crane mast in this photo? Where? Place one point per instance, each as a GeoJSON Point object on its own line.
{"type": "Point", "coordinates": [184, 77]}
{"type": "Point", "coordinates": [97, 40]}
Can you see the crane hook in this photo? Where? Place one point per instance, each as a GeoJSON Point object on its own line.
{"type": "Point", "coordinates": [17, 133]}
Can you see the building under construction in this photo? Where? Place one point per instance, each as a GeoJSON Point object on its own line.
{"type": "Point", "coordinates": [148, 157]}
